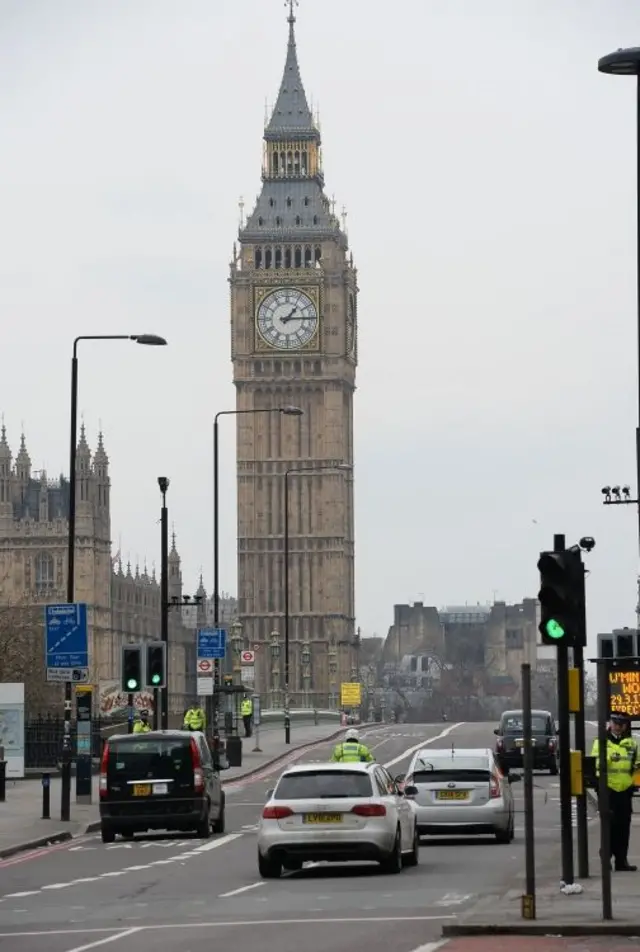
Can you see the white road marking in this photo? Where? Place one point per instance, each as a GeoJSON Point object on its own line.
{"type": "Point", "coordinates": [214, 844]}
{"type": "Point", "coordinates": [431, 946]}
{"type": "Point", "coordinates": [105, 940]}
{"type": "Point", "coordinates": [57, 886]}
{"type": "Point", "coordinates": [242, 889]}
{"type": "Point", "coordinates": [423, 743]}
{"type": "Point", "coordinates": [252, 923]}
{"type": "Point", "coordinates": [453, 899]}
{"type": "Point", "coordinates": [19, 895]}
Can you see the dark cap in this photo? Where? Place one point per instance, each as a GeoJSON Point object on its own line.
{"type": "Point", "coordinates": [619, 717]}
{"type": "Point", "coordinates": [144, 711]}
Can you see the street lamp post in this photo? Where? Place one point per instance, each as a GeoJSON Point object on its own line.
{"type": "Point", "coordinates": [627, 63]}
{"type": "Point", "coordinates": [149, 339]}
{"type": "Point", "coordinates": [305, 658]}
{"type": "Point", "coordinates": [161, 717]}
{"type": "Point", "coordinates": [236, 644]}
{"type": "Point", "coordinates": [287, 411]}
{"type": "Point", "coordinates": [275, 664]}
{"type": "Point", "coordinates": [333, 668]}
{"type": "Point", "coordinates": [295, 471]}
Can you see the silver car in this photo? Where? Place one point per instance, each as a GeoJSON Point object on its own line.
{"type": "Point", "coordinates": [461, 793]}
{"type": "Point", "coordinates": [336, 813]}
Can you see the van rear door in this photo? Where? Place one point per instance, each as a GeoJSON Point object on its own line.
{"type": "Point", "coordinates": [144, 768]}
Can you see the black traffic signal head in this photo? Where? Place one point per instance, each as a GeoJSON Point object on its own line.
{"type": "Point", "coordinates": [562, 597]}
{"type": "Point", "coordinates": [131, 669]}
{"type": "Point", "coordinates": [156, 667]}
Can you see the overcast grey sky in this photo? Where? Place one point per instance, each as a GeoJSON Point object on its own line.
{"type": "Point", "coordinates": [488, 173]}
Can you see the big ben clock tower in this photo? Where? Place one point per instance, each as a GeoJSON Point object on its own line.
{"type": "Point", "coordinates": [294, 344]}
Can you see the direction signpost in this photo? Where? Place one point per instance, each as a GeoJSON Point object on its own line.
{"type": "Point", "coordinates": [67, 642]}
{"type": "Point", "coordinates": [211, 647]}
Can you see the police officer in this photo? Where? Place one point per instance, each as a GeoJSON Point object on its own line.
{"type": "Point", "coordinates": [141, 724]}
{"type": "Point", "coordinates": [194, 719]}
{"type": "Point", "coordinates": [351, 751]}
{"type": "Point", "coordinates": [622, 757]}
{"type": "Point", "coordinates": [246, 711]}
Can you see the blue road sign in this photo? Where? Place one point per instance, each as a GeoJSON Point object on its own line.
{"type": "Point", "coordinates": [212, 643]}
{"type": "Point", "coordinates": [66, 634]}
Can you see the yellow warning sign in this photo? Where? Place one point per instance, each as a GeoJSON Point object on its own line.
{"type": "Point", "coordinates": [350, 694]}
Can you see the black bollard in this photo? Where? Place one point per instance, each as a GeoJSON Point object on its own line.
{"type": "Point", "coordinates": [46, 796]}
{"type": "Point", "coordinates": [3, 781]}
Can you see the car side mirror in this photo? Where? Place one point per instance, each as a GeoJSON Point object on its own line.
{"type": "Point", "coordinates": [269, 793]}
{"type": "Point", "coordinates": [496, 731]}
{"type": "Point", "coordinates": [411, 791]}
{"type": "Point", "coordinates": [514, 778]}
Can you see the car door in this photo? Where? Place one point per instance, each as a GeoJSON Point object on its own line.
{"type": "Point", "coordinates": [211, 777]}
{"type": "Point", "coordinates": [507, 791]}
{"type": "Point", "coordinates": [400, 805]}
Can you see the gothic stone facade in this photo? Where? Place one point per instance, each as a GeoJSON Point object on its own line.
{"type": "Point", "coordinates": [122, 606]}
{"type": "Point", "coordinates": [294, 344]}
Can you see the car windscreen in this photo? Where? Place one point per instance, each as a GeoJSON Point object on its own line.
{"type": "Point", "coordinates": [157, 759]}
{"type": "Point", "coordinates": [325, 784]}
{"type": "Point", "coordinates": [512, 725]}
{"type": "Point", "coordinates": [452, 775]}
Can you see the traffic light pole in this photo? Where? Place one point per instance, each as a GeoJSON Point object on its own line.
{"type": "Point", "coordinates": [564, 742]}
{"type": "Point", "coordinates": [582, 820]}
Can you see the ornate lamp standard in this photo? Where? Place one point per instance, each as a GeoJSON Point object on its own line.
{"type": "Point", "coordinates": [333, 668]}
{"type": "Point", "coordinates": [305, 657]}
{"type": "Point", "coordinates": [236, 644]}
{"type": "Point", "coordinates": [275, 667]}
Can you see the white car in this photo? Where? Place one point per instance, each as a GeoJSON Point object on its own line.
{"type": "Point", "coordinates": [336, 813]}
{"type": "Point", "coordinates": [461, 793]}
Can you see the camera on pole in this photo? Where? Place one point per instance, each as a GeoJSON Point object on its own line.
{"type": "Point", "coordinates": [131, 670]}
{"type": "Point", "coordinates": [562, 598]}
{"type": "Point", "coordinates": [156, 667]}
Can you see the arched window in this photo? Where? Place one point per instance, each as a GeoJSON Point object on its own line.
{"type": "Point", "coordinates": [258, 257]}
{"type": "Point", "coordinates": [304, 163]}
{"type": "Point", "coordinates": [267, 258]}
{"type": "Point", "coordinates": [261, 220]}
{"type": "Point", "coordinates": [307, 257]}
{"type": "Point", "coordinates": [45, 572]}
{"type": "Point", "coordinates": [283, 163]}
{"type": "Point", "coordinates": [297, 263]}
{"type": "Point", "coordinates": [296, 166]}
{"type": "Point", "coordinates": [298, 220]}
{"type": "Point", "coordinates": [274, 163]}
{"type": "Point", "coordinates": [287, 257]}
{"type": "Point", "coordinates": [278, 263]}
{"type": "Point", "coordinates": [315, 219]}
{"type": "Point", "coordinates": [278, 220]}
{"type": "Point", "coordinates": [318, 255]}
{"type": "Point", "coordinates": [289, 163]}
{"type": "Point", "coordinates": [306, 201]}
{"type": "Point", "coordinates": [288, 203]}
{"type": "Point", "coordinates": [271, 202]}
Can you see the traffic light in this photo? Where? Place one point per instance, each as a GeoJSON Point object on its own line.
{"type": "Point", "coordinates": [156, 665]}
{"type": "Point", "coordinates": [562, 598]}
{"type": "Point", "coordinates": [131, 669]}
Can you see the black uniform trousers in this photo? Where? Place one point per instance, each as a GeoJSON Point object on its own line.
{"type": "Point", "coordinates": [620, 810]}
{"type": "Point", "coordinates": [246, 718]}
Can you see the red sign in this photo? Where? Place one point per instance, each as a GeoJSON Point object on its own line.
{"type": "Point", "coordinates": [204, 666]}
{"type": "Point", "coordinates": [248, 657]}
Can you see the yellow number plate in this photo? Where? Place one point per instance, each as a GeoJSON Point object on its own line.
{"type": "Point", "coordinates": [142, 789]}
{"type": "Point", "coordinates": [452, 795]}
{"type": "Point", "coordinates": [519, 743]}
{"type": "Point", "coordinates": [323, 818]}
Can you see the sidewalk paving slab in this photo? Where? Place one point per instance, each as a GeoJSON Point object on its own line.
{"type": "Point", "coordinates": [577, 914]}
{"type": "Point", "coordinates": [21, 826]}
{"type": "Point", "coordinates": [542, 943]}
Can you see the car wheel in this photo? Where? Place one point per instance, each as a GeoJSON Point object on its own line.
{"type": "Point", "coordinates": [292, 865]}
{"type": "Point", "coordinates": [393, 862]}
{"type": "Point", "coordinates": [504, 836]}
{"type": "Point", "coordinates": [269, 868]}
{"type": "Point", "coordinates": [219, 824]}
{"type": "Point", "coordinates": [108, 835]}
{"type": "Point", "coordinates": [412, 858]}
{"type": "Point", "coordinates": [203, 829]}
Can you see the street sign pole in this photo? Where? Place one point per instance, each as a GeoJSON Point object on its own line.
{"type": "Point", "coordinates": [564, 742]}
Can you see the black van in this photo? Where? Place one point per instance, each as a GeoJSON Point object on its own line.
{"type": "Point", "coordinates": [510, 743]}
{"type": "Point", "coordinates": [161, 780]}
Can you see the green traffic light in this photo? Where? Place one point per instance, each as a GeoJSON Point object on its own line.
{"type": "Point", "coordinates": [155, 679]}
{"type": "Point", "coordinates": [554, 629]}
{"type": "Point", "coordinates": [132, 684]}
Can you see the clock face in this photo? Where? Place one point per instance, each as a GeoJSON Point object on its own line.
{"type": "Point", "coordinates": [287, 319]}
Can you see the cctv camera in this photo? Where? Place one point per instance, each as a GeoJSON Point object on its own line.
{"type": "Point", "coordinates": [163, 483]}
{"type": "Point", "coordinates": [587, 543]}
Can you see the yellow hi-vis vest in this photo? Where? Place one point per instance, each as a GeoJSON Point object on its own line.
{"type": "Point", "coordinates": [194, 719]}
{"type": "Point", "coordinates": [350, 752]}
{"type": "Point", "coordinates": [140, 727]}
{"type": "Point", "coordinates": [621, 762]}
{"type": "Point", "coordinates": [246, 707]}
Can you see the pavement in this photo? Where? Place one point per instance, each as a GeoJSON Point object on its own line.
{"type": "Point", "coordinates": [83, 894]}
{"type": "Point", "coordinates": [557, 913]}
{"type": "Point", "coordinates": [21, 826]}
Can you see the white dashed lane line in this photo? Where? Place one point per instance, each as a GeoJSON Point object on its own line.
{"type": "Point", "coordinates": [178, 858]}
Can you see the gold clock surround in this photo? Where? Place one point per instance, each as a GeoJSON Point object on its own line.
{"type": "Point", "coordinates": [312, 291]}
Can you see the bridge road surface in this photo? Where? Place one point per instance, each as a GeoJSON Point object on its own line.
{"type": "Point", "coordinates": [172, 893]}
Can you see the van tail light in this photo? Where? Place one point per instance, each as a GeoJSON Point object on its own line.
{"type": "Point", "coordinates": [552, 745]}
{"type": "Point", "coordinates": [198, 776]}
{"type": "Point", "coordinates": [276, 813]}
{"type": "Point", "coordinates": [102, 784]}
{"type": "Point", "coordinates": [370, 809]}
{"type": "Point", "coordinates": [494, 789]}
{"type": "Point", "coordinates": [500, 744]}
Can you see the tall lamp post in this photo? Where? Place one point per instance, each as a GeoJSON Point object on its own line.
{"type": "Point", "coordinates": [305, 658]}
{"type": "Point", "coordinates": [295, 471]}
{"type": "Point", "coordinates": [275, 664]}
{"type": "Point", "coordinates": [163, 713]}
{"type": "Point", "coordinates": [627, 63]}
{"type": "Point", "coordinates": [287, 411]}
{"type": "Point", "coordinates": [149, 339]}
{"type": "Point", "coordinates": [236, 644]}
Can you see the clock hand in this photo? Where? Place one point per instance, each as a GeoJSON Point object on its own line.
{"type": "Point", "coordinates": [289, 317]}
